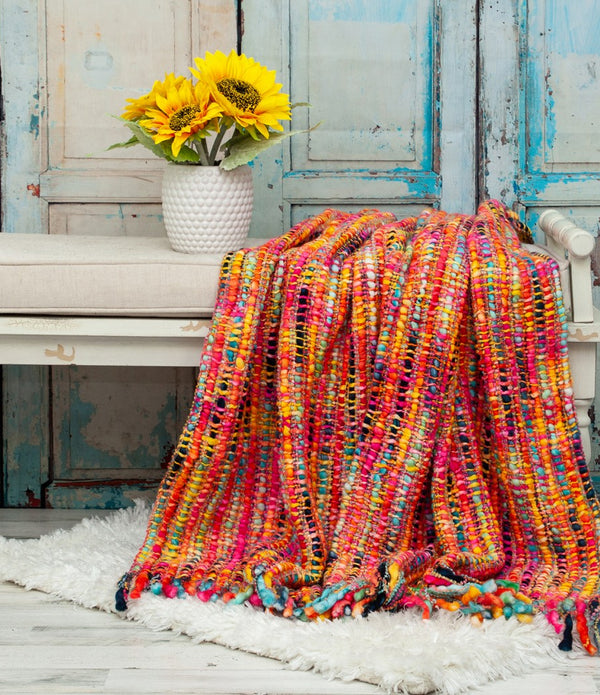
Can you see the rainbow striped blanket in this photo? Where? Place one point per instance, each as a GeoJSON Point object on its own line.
{"type": "Point", "coordinates": [383, 419]}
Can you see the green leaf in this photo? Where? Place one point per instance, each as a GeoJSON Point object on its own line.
{"type": "Point", "coordinates": [300, 103]}
{"type": "Point", "coordinates": [130, 143]}
{"type": "Point", "coordinates": [162, 149]}
{"type": "Point", "coordinates": [243, 150]}
{"type": "Point", "coordinates": [186, 154]}
{"type": "Point", "coordinates": [144, 139]}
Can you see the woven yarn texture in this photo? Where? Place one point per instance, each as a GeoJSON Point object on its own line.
{"type": "Point", "coordinates": [383, 418]}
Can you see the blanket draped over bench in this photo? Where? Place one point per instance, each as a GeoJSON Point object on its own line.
{"type": "Point", "coordinates": [383, 418]}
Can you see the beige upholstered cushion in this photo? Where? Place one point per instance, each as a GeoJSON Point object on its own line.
{"type": "Point", "coordinates": [122, 276]}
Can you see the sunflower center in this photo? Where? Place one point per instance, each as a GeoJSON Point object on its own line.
{"type": "Point", "coordinates": [240, 93]}
{"type": "Point", "coordinates": [183, 117]}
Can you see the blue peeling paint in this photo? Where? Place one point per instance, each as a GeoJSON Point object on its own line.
{"type": "Point", "coordinates": [23, 473]}
{"type": "Point", "coordinates": [572, 27]}
{"type": "Point", "coordinates": [160, 437]}
{"type": "Point", "coordinates": [100, 496]}
{"type": "Point", "coordinates": [550, 116]}
{"type": "Point", "coordinates": [532, 64]}
{"type": "Point", "coordinates": [431, 110]}
{"type": "Point", "coordinates": [34, 125]}
{"type": "Point", "coordinates": [34, 120]}
{"type": "Point", "coordinates": [362, 11]}
{"type": "Point", "coordinates": [537, 90]}
{"type": "Point", "coordinates": [72, 432]}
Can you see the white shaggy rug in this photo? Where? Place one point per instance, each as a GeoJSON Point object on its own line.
{"type": "Point", "coordinates": [399, 653]}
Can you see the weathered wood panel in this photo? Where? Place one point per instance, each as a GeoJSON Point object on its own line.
{"type": "Point", "coordinates": [107, 219]}
{"type": "Point", "coordinates": [396, 86]}
{"type": "Point", "coordinates": [22, 209]}
{"type": "Point", "coordinates": [392, 84]}
{"type": "Point", "coordinates": [367, 69]}
{"type": "Point", "coordinates": [114, 424]}
{"type": "Point", "coordinates": [540, 96]}
{"type": "Point", "coordinates": [540, 100]}
{"type": "Point", "coordinates": [66, 67]}
{"type": "Point", "coordinates": [26, 435]}
{"type": "Point", "coordinates": [25, 415]}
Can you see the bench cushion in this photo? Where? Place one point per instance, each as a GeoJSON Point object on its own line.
{"type": "Point", "coordinates": [113, 276]}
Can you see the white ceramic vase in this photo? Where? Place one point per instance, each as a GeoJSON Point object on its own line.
{"type": "Point", "coordinates": [207, 209]}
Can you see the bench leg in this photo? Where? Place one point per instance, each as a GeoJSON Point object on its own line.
{"type": "Point", "coordinates": [582, 407]}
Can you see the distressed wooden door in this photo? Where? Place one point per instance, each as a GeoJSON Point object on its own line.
{"type": "Point", "coordinates": [395, 127]}
{"type": "Point", "coordinates": [89, 436]}
{"type": "Point", "coordinates": [540, 116]}
{"type": "Point", "coordinates": [394, 85]}
{"type": "Point", "coordinates": [429, 103]}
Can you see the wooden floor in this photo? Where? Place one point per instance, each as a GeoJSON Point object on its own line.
{"type": "Point", "coordinates": [49, 646]}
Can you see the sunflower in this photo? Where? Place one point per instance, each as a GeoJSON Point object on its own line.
{"type": "Point", "coordinates": [137, 108]}
{"type": "Point", "coordinates": [186, 111]}
{"type": "Point", "coordinates": [246, 91]}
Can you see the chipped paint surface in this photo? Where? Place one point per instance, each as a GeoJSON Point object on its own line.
{"type": "Point", "coordinates": [22, 208]}
{"type": "Point", "coordinates": [582, 336]}
{"type": "Point", "coordinates": [369, 71]}
{"type": "Point", "coordinates": [200, 327]}
{"type": "Point", "coordinates": [114, 431]}
{"type": "Point", "coordinates": [25, 451]}
{"type": "Point", "coordinates": [32, 500]}
{"type": "Point", "coordinates": [107, 494]}
{"type": "Point", "coordinates": [562, 88]}
{"type": "Point", "coordinates": [361, 11]}
{"type": "Point", "coordinates": [88, 47]}
{"type": "Point", "coordinates": [60, 353]}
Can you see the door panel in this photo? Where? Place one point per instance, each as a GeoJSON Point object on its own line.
{"type": "Point", "coordinates": [540, 99]}
{"type": "Point", "coordinates": [366, 68]}
{"type": "Point", "coordinates": [97, 55]}
{"type": "Point", "coordinates": [107, 219]}
{"type": "Point", "coordinates": [26, 435]}
{"type": "Point", "coordinates": [539, 112]}
{"type": "Point", "coordinates": [563, 74]}
{"type": "Point", "coordinates": [561, 89]}
{"type": "Point", "coordinates": [114, 424]}
{"type": "Point", "coordinates": [392, 121]}
{"type": "Point", "coordinates": [95, 436]}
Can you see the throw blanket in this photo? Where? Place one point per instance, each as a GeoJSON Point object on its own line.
{"type": "Point", "coordinates": [383, 418]}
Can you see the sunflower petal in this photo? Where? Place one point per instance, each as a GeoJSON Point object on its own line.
{"type": "Point", "coordinates": [273, 106]}
{"type": "Point", "coordinates": [178, 141]}
{"type": "Point", "coordinates": [263, 130]}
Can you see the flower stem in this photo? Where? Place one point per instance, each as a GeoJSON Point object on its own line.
{"type": "Point", "coordinates": [203, 154]}
{"type": "Point", "coordinates": [214, 150]}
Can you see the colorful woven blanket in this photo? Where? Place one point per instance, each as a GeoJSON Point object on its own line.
{"type": "Point", "coordinates": [383, 418]}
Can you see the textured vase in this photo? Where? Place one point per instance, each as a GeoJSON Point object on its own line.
{"type": "Point", "coordinates": [207, 209]}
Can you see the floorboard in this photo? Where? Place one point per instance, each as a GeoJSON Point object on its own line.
{"type": "Point", "coordinates": [51, 646]}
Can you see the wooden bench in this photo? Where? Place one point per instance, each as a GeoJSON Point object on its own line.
{"type": "Point", "coordinates": [69, 300]}
{"type": "Point", "coordinates": [131, 301]}
{"type": "Point", "coordinates": [573, 246]}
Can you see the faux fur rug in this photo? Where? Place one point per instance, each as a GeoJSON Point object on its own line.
{"type": "Point", "coordinates": [399, 652]}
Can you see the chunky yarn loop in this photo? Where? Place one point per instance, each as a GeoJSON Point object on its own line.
{"type": "Point", "coordinates": [383, 418]}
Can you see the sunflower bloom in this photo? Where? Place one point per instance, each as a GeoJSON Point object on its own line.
{"type": "Point", "coordinates": [136, 108]}
{"type": "Point", "coordinates": [245, 90]}
{"type": "Point", "coordinates": [186, 111]}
